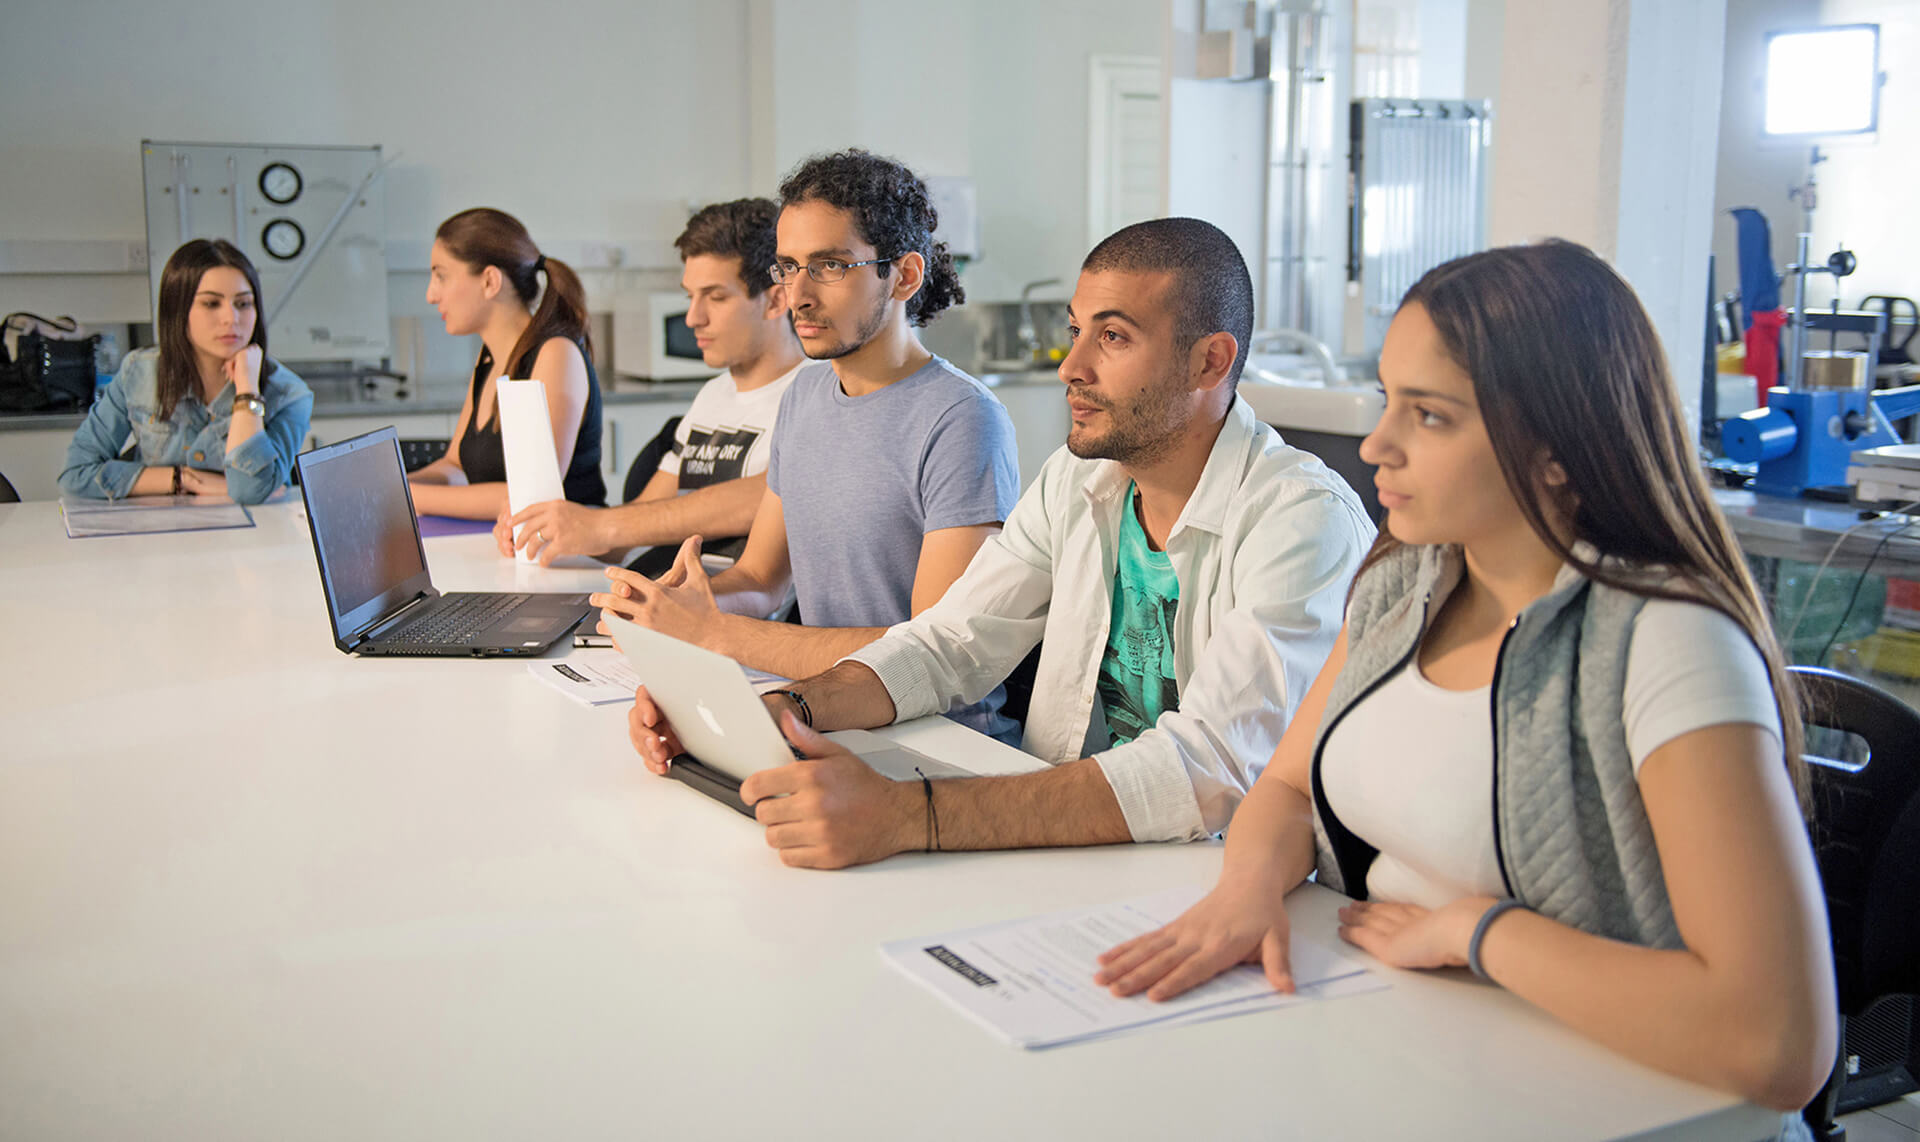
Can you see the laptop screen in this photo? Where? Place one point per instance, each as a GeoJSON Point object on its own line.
{"type": "Point", "coordinates": [364, 533]}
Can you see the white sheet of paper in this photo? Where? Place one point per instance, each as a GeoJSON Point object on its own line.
{"type": "Point", "coordinates": [526, 437]}
{"type": "Point", "coordinates": [592, 678]}
{"type": "Point", "coordinates": [602, 676]}
{"type": "Point", "coordinates": [1031, 981]}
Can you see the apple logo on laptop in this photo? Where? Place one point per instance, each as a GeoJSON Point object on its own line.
{"type": "Point", "coordinates": [706, 716]}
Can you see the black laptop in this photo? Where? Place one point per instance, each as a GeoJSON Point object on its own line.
{"type": "Point", "coordinates": [380, 598]}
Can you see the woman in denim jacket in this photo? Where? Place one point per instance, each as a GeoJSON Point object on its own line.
{"type": "Point", "coordinates": [209, 412]}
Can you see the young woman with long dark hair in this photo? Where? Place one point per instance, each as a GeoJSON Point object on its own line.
{"type": "Point", "coordinates": [1555, 742]}
{"type": "Point", "coordinates": [488, 277]}
{"type": "Point", "coordinates": [209, 412]}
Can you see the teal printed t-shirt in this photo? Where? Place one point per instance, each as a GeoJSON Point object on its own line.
{"type": "Point", "coordinates": [1136, 675]}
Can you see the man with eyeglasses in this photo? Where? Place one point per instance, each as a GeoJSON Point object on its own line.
{"type": "Point", "coordinates": [891, 467]}
{"type": "Point", "coordinates": [1183, 570]}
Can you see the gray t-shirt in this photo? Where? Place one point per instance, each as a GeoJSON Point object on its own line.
{"type": "Point", "coordinates": [862, 479]}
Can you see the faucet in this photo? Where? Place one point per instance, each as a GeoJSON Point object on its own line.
{"type": "Point", "coordinates": [1029, 334]}
{"type": "Point", "coordinates": [1313, 345]}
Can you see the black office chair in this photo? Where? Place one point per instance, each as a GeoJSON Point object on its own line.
{"type": "Point", "coordinates": [417, 454]}
{"type": "Point", "coordinates": [1866, 835]}
{"type": "Point", "coordinates": [648, 461]}
{"type": "Point", "coordinates": [657, 561]}
{"type": "Point", "coordinates": [7, 494]}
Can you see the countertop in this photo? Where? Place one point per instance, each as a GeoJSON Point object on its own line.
{"type": "Point", "coordinates": [439, 401]}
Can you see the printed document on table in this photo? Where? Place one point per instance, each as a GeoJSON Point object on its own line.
{"type": "Point", "coordinates": [599, 677]}
{"type": "Point", "coordinates": [1031, 981]}
{"type": "Point", "coordinates": [592, 679]}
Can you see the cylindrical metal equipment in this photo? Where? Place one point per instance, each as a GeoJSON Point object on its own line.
{"type": "Point", "coordinates": [1758, 436]}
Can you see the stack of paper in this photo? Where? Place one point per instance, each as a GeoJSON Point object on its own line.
{"type": "Point", "coordinates": [1031, 981]}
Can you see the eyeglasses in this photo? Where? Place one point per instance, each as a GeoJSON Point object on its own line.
{"type": "Point", "coordinates": [825, 271]}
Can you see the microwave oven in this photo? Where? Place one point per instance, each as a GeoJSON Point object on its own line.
{"type": "Point", "coordinates": [651, 338]}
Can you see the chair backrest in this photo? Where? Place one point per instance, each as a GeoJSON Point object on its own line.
{"type": "Point", "coordinates": [416, 454]}
{"type": "Point", "coordinates": [647, 462]}
{"type": "Point", "coordinates": [1866, 835]}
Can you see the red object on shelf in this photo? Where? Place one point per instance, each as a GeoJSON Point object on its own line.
{"type": "Point", "coordinates": [1763, 350]}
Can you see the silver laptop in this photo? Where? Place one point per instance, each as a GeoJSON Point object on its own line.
{"type": "Point", "coordinates": [724, 726]}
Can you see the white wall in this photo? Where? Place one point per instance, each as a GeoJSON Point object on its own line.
{"type": "Point", "coordinates": [1866, 187]}
{"type": "Point", "coordinates": [600, 123]}
{"type": "Point", "coordinates": [1751, 170]}
{"type": "Point", "coordinates": [995, 90]}
{"type": "Point", "coordinates": [1605, 134]}
{"type": "Point", "coordinates": [590, 119]}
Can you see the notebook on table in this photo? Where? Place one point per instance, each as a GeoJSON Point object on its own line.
{"type": "Point", "coordinates": [373, 569]}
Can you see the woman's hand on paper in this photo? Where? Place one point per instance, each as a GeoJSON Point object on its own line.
{"type": "Point", "coordinates": [653, 739]}
{"type": "Point", "coordinates": [679, 604]}
{"type": "Point", "coordinates": [1242, 921]}
{"type": "Point", "coordinates": [1409, 936]}
{"type": "Point", "coordinates": [552, 529]}
{"type": "Point", "coordinates": [832, 810]}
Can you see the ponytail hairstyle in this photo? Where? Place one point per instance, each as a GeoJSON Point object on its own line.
{"type": "Point", "coordinates": [894, 213]}
{"type": "Point", "coordinates": [1565, 362]}
{"type": "Point", "coordinates": [179, 368]}
{"type": "Point", "coordinates": [483, 237]}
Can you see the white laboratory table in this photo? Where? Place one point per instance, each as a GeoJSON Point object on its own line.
{"type": "Point", "coordinates": [251, 887]}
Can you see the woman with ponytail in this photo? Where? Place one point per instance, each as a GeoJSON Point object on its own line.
{"type": "Point", "coordinates": [488, 277]}
{"type": "Point", "coordinates": [1554, 742]}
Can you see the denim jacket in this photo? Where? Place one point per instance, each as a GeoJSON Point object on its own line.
{"type": "Point", "coordinates": [195, 436]}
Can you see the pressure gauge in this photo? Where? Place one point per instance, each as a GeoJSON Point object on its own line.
{"type": "Point", "coordinates": [284, 239]}
{"type": "Point", "coordinates": [281, 183]}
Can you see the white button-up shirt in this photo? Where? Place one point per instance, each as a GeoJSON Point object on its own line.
{"type": "Point", "coordinates": [1263, 551]}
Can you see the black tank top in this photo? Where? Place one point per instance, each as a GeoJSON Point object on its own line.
{"type": "Point", "coordinates": [483, 454]}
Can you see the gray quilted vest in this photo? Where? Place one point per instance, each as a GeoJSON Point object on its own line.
{"type": "Point", "coordinates": [1570, 832]}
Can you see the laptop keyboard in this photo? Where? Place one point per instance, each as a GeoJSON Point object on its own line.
{"type": "Point", "coordinates": [457, 620]}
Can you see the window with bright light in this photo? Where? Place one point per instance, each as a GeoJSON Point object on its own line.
{"type": "Point", "coordinates": [1823, 81]}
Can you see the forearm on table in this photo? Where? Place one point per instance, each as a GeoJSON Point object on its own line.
{"type": "Point", "coordinates": [1671, 1010]}
{"type": "Point", "coordinates": [467, 501]}
{"type": "Point", "coordinates": [1069, 804]}
{"type": "Point", "coordinates": [1271, 834]}
{"type": "Point", "coordinates": [153, 482]}
{"type": "Point", "coordinates": [718, 511]}
{"type": "Point", "coordinates": [848, 696]}
{"type": "Point", "coordinates": [739, 590]}
{"type": "Point", "coordinates": [785, 649]}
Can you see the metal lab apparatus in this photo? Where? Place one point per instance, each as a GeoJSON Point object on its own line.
{"type": "Point", "coordinates": [1805, 439]}
{"type": "Point", "coordinates": [312, 220]}
{"type": "Point", "coordinates": [1806, 435]}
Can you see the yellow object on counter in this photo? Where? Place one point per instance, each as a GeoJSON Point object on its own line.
{"type": "Point", "coordinates": [1730, 358]}
{"type": "Point", "coordinates": [1891, 651]}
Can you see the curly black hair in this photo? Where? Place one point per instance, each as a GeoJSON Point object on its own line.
{"type": "Point", "coordinates": [740, 229]}
{"type": "Point", "coordinates": [894, 213]}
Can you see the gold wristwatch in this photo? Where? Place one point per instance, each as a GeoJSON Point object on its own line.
{"type": "Point", "coordinates": [250, 400]}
